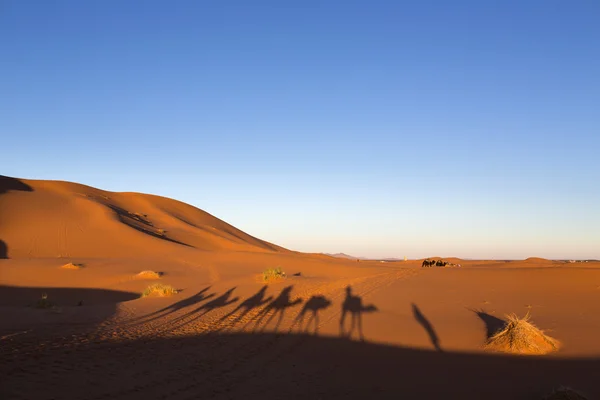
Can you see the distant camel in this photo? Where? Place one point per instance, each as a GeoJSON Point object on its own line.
{"type": "Point", "coordinates": [277, 306]}
{"type": "Point", "coordinates": [353, 305]}
{"type": "Point", "coordinates": [314, 304]}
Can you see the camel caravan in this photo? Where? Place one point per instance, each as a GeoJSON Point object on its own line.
{"type": "Point", "coordinates": [438, 263]}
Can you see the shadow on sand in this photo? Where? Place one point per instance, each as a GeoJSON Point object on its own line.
{"type": "Point", "coordinates": [288, 366]}
{"type": "Point", "coordinates": [492, 324]}
{"type": "Point", "coordinates": [424, 322]}
{"type": "Point", "coordinates": [313, 306]}
{"type": "Point", "coordinates": [23, 296]}
{"type": "Point", "coordinates": [353, 305]}
{"type": "Point", "coordinates": [7, 184]}
{"type": "Point", "coordinates": [276, 307]}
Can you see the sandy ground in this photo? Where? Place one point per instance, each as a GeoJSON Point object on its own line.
{"type": "Point", "coordinates": [334, 328]}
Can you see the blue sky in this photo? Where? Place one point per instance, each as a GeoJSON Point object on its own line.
{"type": "Point", "coordinates": [376, 128]}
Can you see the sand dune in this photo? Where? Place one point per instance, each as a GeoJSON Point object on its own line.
{"type": "Point", "coordinates": [63, 219]}
{"type": "Point", "coordinates": [332, 328]}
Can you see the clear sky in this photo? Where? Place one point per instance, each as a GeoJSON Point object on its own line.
{"type": "Point", "coordinates": [375, 128]}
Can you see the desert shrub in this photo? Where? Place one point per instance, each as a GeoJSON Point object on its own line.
{"type": "Point", "coordinates": [43, 302]}
{"type": "Point", "coordinates": [161, 232]}
{"type": "Point", "coordinates": [160, 290]}
{"type": "Point", "coordinates": [72, 266]}
{"type": "Point", "coordinates": [520, 336]}
{"type": "Point", "coordinates": [273, 274]}
{"type": "Point", "coordinates": [149, 275]}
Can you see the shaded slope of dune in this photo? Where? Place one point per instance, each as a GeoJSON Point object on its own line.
{"type": "Point", "coordinates": [63, 219]}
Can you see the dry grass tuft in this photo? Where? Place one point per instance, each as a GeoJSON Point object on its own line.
{"type": "Point", "coordinates": [565, 393]}
{"type": "Point", "coordinates": [149, 275]}
{"type": "Point", "coordinates": [520, 336]}
{"type": "Point", "coordinates": [72, 266]}
{"type": "Point", "coordinates": [160, 290]}
{"type": "Point", "coordinates": [273, 275]}
{"type": "Point", "coordinates": [44, 303]}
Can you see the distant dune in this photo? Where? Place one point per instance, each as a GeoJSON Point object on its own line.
{"type": "Point", "coordinates": [63, 219]}
{"type": "Point", "coordinates": [344, 255]}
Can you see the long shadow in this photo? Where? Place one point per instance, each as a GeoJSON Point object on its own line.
{"type": "Point", "coordinates": [219, 302]}
{"type": "Point", "coordinates": [312, 306]}
{"type": "Point", "coordinates": [435, 340]}
{"type": "Point", "coordinates": [256, 300]}
{"type": "Point", "coordinates": [7, 184]}
{"type": "Point", "coordinates": [274, 366]}
{"type": "Point", "coordinates": [353, 305]}
{"type": "Point", "coordinates": [277, 307]}
{"type": "Point", "coordinates": [173, 308]}
{"type": "Point", "coordinates": [25, 296]}
{"type": "Point", "coordinates": [492, 324]}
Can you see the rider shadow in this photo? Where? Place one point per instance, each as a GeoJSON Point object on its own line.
{"type": "Point", "coordinates": [313, 305]}
{"type": "Point", "coordinates": [256, 300]}
{"type": "Point", "coordinates": [353, 304]}
{"type": "Point", "coordinates": [277, 307]}
{"type": "Point", "coordinates": [435, 340]}
{"type": "Point", "coordinates": [173, 308]}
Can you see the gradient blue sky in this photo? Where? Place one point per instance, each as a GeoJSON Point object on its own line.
{"type": "Point", "coordinates": [376, 128]}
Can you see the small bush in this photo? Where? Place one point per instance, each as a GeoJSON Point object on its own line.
{"type": "Point", "coordinates": [72, 266]}
{"type": "Point", "coordinates": [522, 337]}
{"type": "Point", "coordinates": [44, 303]}
{"type": "Point", "coordinates": [161, 232]}
{"type": "Point", "coordinates": [149, 275]}
{"type": "Point", "coordinates": [273, 274]}
{"type": "Point", "coordinates": [160, 290]}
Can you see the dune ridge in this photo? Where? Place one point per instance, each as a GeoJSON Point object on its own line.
{"type": "Point", "coordinates": [42, 218]}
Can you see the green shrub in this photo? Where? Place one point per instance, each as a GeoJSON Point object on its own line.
{"type": "Point", "coordinates": [160, 290]}
{"type": "Point", "coordinates": [273, 274]}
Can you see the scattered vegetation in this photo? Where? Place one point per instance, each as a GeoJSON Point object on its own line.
{"type": "Point", "coordinates": [273, 274]}
{"type": "Point", "coordinates": [161, 232]}
{"type": "Point", "coordinates": [520, 336]}
{"type": "Point", "coordinates": [149, 275]}
{"type": "Point", "coordinates": [72, 266]}
{"type": "Point", "coordinates": [565, 393]}
{"type": "Point", "coordinates": [160, 290]}
{"type": "Point", "coordinates": [44, 303]}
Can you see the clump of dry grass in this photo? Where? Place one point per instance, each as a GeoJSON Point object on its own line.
{"type": "Point", "coordinates": [520, 336]}
{"type": "Point", "coordinates": [273, 274]}
{"type": "Point", "coordinates": [149, 275]}
{"type": "Point", "coordinates": [565, 393]}
{"type": "Point", "coordinates": [44, 303]}
{"type": "Point", "coordinates": [72, 266]}
{"type": "Point", "coordinates": [160, 290]}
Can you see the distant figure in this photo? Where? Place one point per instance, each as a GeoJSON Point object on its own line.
{"type": "Point", "coordinates": [277, 307]}
{"type": "Point", "coordinates": [427, 326]}
{"type": "Point", "coordinates": [314, 305]}
{"type": "Point", "coordinates": [353, 304]}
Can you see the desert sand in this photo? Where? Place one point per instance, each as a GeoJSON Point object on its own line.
{"type": "Point", "coordinates": [75, 326]}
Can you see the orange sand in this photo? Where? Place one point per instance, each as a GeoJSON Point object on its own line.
{"type": "Point", "coordinates": [408, 332]}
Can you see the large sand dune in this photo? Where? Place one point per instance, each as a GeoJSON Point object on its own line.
{"type": "Point", "coordinates": [62, 219]}
{"type": "Point", "coordinates": [333, 328]}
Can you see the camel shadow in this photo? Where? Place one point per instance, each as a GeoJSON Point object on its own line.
{"type": "Point", "coordinates": [433, 337]}
{"type": "Point", "coordinates": [312, 306]}
{"type": "Point", "coordinates": [276, 307]}
{"type": "Point", "coordinates": [256, 300]}
{"type": "Point", "coordinates": [175, 307]}
{"type": "Point", "coordinates": [219, 302]}
{"type": "Point", "coordinates": [353, 305]}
